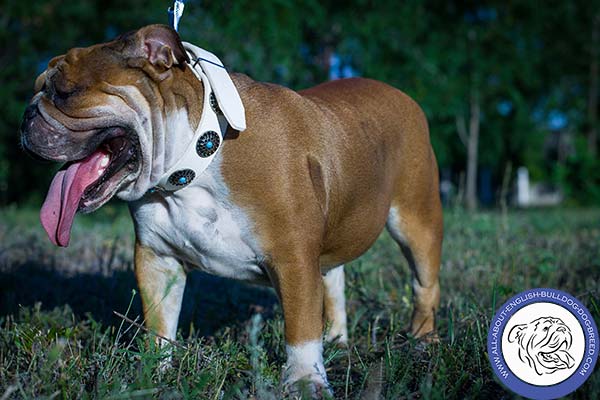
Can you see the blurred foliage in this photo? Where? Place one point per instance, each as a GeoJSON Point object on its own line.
{"type": "Point", "coordinates": [580, 177]}
{"type": "Point", "coordinates": [524, 61]}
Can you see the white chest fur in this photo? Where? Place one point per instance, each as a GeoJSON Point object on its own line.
{"type": "Point", "coordinates": [200, 227]}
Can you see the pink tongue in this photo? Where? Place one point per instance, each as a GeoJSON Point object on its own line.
{"type": "Point", "coordinates": [64, 195]}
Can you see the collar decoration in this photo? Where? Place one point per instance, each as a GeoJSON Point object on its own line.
{"type": "Point", "coordinates": [222, 107]}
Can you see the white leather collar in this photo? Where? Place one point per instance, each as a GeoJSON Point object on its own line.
{"type": "Point", "coordinates": [222, 106]}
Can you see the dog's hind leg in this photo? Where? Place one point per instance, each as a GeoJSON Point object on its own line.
{"type": "Point", "coordinates": [161, 281]}
{"type": "Point", "coordinates": [335, 305]}
{"type": "Point", "coordinates": [419, 235]}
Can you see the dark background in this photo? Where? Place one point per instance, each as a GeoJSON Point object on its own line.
{"type": "Point", "coordinates": [504, 84]}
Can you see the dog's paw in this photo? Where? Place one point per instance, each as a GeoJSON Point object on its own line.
{"type": "Point", "coordinates": [339, 340]}
{"type": "Point", "coordinates": [308, 388]}
{"type": "Point", "coordinates": [337, 335]}
{"type": "Point", "coordinates": [429, 338]}
{"type": "Point", "coordinates": [310, 383]}
{"type": "Point", "coordinates": [425, 342]}
{"type": "Point", "coordinates": [165, 364]}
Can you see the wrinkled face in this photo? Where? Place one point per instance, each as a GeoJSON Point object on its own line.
{"type": "Point", "coordinates": [99, 110]}
{"type": "Point", "coordinates": [544, 343]}
{"type": "Point", "coordinates": [68, 119]}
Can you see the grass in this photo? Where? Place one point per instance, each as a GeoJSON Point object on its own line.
{"type": "Point", "coordinates": [59, 337]}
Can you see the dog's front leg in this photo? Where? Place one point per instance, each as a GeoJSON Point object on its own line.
{"type": "Point", "coordinates": [300, 288]}
{"type": "Point", "coordinates": [161, 281]}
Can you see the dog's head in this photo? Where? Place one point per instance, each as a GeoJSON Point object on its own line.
{"type": "Point", "coordinates": [105, 111]}
{"type": "Point", "coordinates": [544, 344]}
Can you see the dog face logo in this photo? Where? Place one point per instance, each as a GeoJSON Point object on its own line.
{"type": "Point", "coordinates": [544, 344]}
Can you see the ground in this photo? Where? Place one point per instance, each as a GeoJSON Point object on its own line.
{"type": "Point", "coordinates": [60, 338]}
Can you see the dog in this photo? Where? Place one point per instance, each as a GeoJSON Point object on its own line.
{"type": "Point", "coordinates": [303, 182]}
{"type": "Point", "coordinates": [544, 344]}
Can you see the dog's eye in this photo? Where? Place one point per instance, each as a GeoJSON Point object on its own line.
{"type": "Point", "coordinates": [61, 85]}
{"type": "Point", "coordinates": [546, 329]}
{"type": "Point", "coordinates": [63, 94]}
{"type": "Point", "coordinates": [62, 90]}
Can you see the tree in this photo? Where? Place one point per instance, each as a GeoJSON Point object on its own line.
{"type": "Point", "coordinates": [459, 62]}
{"type": "Point", "coordinates": [487, 75]}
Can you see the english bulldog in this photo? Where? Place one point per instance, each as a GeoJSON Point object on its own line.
{"type": "Point", "coordinates": [544, 344]}
{"type": "Point", "coordinates": [302, 182]}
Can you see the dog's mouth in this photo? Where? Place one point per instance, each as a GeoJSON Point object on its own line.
{"type": "Point", "coordinates": [557, 357]}
{"type": "Point", "coordinates": [85, 185]}
{"type": "Point", "coordinates": [119, 160]}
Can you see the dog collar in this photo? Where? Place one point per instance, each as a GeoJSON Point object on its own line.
{"type": "Point", "coordinates": [222, 106]}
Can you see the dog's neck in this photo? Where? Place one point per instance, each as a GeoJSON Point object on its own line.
{"type": "Point", "coordinates": [222, 107]}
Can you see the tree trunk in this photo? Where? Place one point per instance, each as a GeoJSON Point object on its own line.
{"type": "Point", "coordinates": [470, 138]}
{"type": "Point", "coordinates": [592, 135]}
{"type": "Point", "coordinates": [473, 154]}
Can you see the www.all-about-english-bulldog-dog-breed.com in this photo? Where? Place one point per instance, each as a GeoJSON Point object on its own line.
{"type": "Point", "coordinates": [240, 179]}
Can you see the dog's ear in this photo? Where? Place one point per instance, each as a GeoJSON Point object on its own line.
{"type": "Point", "coordinates": [40, 82]}
{"type": "Point", "coordinates": [162, 46]}
{"type": "Point", "coordinates": [516, 333]}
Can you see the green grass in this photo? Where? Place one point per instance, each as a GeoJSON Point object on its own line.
{"type": "Point", "coordinates": [59, 337]}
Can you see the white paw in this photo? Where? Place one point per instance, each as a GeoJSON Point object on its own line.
{"type": "Point", "coordinates": [313, 385]}
{"type": "Point", "coordinates": [304, 372]}
{"type": "Point", "coordinates": [337, 333]}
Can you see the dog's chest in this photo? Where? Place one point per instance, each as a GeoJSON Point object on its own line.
{"type": "Point", "coordinates": [200, 227]}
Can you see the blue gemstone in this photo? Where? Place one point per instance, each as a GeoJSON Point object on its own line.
{"type": "Point", "coordinates": [209, 145]}
{"type": "Point", "coordinates": [182, 180]}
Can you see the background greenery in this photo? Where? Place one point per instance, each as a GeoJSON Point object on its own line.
{"type": "Point", "coordinates": [498, 80]}
{"type": "Point", "coordinates": [517, 76]}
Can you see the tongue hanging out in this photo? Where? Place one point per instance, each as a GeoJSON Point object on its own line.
{"type": "Point", "coordinates": [64, 195]}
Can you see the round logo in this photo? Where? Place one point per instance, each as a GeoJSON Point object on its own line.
{"type": "Point", "coordinates": [542, 343]}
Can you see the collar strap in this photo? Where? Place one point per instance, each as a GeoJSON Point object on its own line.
{"type": "Point", "coordinates": [222, 106]}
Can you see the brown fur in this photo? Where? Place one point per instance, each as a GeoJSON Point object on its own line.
{"type": "Point", "coordinates": [81, 80]}
{"type": "Point", "coordinates": [367, 147]}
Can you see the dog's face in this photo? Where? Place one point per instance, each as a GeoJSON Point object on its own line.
{"type": "Point", "coordinates": [544, 344]}
{"type": "Point", "coordinates": [104, 110]}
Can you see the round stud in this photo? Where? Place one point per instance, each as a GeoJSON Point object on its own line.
{"type": "Point", "coordinates": [182, 177]}
{"type": "Point", "coordinates": [207, 144]}
{"type": "Point", "coordinates": [214, 104]}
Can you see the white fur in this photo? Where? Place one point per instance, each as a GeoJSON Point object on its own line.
{"type": "Point", "coordinates": [334, 285]}
{"type": "Point", "coordinates": [170, 151]}
{"type": "Point", "coordinates": [305, 361]}
{"type": "Point", "coordinates": [162, 140]}
{"type": "Point", "coordinates": [393, 225]}
{"type": "Point", "coordinates": [170, 300]}
{"type": "Point", "coordinates": [201, 227]}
